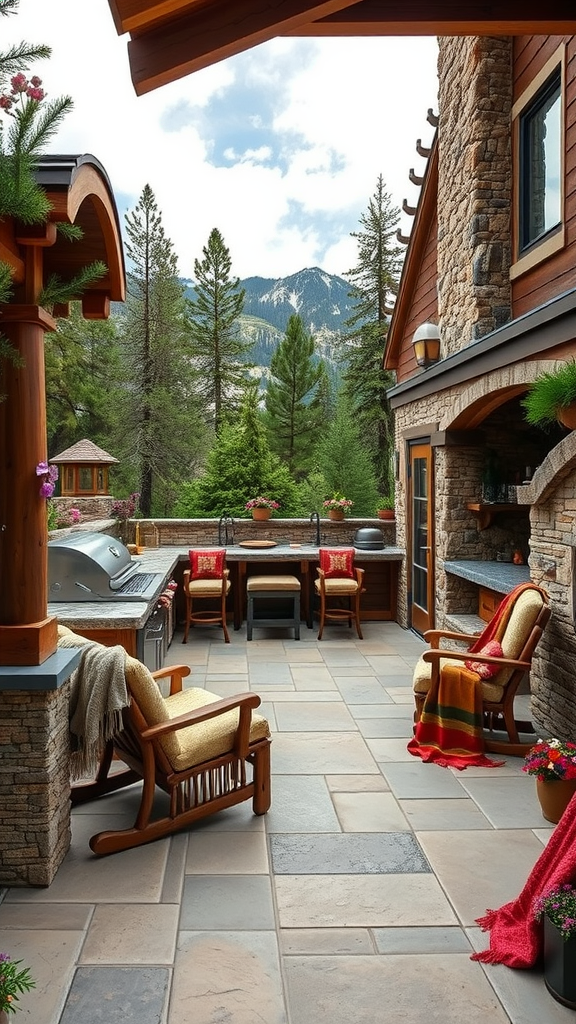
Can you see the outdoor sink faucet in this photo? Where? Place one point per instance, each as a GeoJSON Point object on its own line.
{"type": "Point", "coordinates": [315, 518]}
{"type": "Point", "coordinates": [225, 523]}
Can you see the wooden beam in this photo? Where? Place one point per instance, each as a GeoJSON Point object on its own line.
{"type": "Point", "coordinates": [445, 18]}
{"type": "Point", "coordinates": [214, 31]}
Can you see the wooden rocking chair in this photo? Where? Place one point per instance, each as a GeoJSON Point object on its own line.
{"type": "Point", "coordinates": [525, 627]}
{"type": "Point", "coordinates": [192, 744]}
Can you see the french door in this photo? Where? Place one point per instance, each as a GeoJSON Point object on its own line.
{"type": "Point", "coordinates": [420, 526]}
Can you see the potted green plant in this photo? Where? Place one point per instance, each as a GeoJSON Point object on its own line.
{"type": "Point", "coordinates": [552, 398]}
{"type": "Point", "coordinates": [14, 981]}
{"type": "Point", "coordinates": [385, 508]}
{"type": "Point", "coordinates": [558, 909]}
{"type": "Point", "coordinates": [553, 762]}
{"type": "Point", "coordinates": [337, 506]}
{"type": "Point", "coordinates": [262, 508]}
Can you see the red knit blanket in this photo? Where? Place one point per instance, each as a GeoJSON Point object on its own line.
{"type": "Point", "coordinates": [515, 935]}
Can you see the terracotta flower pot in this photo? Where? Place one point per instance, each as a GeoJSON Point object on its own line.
{"type": "Point", "coordinates": [335, 513]}
{"type": "Point", "coordinates": [567, 416]}
{"type": "Point", "coordinates": [3, 1017]}
{"type": "Point", "coordinates": [559, 964]}
{"type": "Point", "coordinates": [261, 513]}
{"type": "Point", "coordinates": [554, 797]}
{"type": "Point", "coordinates": [386, 513]}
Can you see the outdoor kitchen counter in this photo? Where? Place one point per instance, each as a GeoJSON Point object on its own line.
{"type": "Point", "coordinates": [125, 616]}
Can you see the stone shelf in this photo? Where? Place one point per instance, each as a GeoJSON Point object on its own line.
{"type": "Point", "coordinates": [487, 512]}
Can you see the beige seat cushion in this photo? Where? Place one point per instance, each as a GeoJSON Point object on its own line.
{"type": "Point", "coordinates": [206, 588]}
{"type": "Point", "coordinates": [337, 585]}
{"type": "Point", "coordinates": [197, 743]}
{"type": "Point", "coordinates": [522, 619]}
{"type": "Point", "coordinates": [272, 583]}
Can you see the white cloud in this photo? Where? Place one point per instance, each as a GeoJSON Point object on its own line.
{"type": "Point", "coordinates": [333, 114]}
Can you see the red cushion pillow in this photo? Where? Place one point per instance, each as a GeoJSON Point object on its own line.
{"type": "Point", "coordinates": [494, 650]}
{"type": "Point", "coordinates": [337, 562]}
{"type": "Point", "coordinates": [207, 565]}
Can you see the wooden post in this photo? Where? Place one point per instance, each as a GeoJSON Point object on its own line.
{"type": "Point", "coordinates": [27, 635]}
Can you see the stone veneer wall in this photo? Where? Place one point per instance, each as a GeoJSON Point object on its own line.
{"type": "Point", "coordinates": [34, 785]}
{"type": "Point", "coordinates": [552, 495]}
{"type": "Point", "coordinates": [474, 188]}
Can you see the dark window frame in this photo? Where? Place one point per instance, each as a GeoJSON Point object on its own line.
{"type": "Point", "coordinates": [527, 238]}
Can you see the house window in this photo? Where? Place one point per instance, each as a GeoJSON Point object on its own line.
{"type": "Point", "coordinates": [538, 143]}
{"type": "Point", "coordinates": [541, 164]}
{"type": "Point", "coordinates": [85, 479]}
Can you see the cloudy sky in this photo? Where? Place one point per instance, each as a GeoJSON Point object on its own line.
{"type": "Point", "coordinates": [279, 147]}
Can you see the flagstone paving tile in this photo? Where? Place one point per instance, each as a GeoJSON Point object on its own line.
{"type": "Point", "coordinates": [356, 783]}
{"type": "Point", "coordinates": [47, 917]}
{"type": "Point", "coordinates": [369, 812]}
{"type": "Point", "coordinates": [322, 753]}
{"type": "Point", "coordinates": [361, 901]}
{"type": "Point", "coordinates": [421, 940]}
{"type": "Point", "coordinates": [136, 875]}
{"type": "Point", "coordinates": [310, 716]}
{"type": "Point", "coordinates": [118, 995]}
{"type": "Point", "coordinates": [141, 934]}
{"type": "Point", "coordinates": [390, 749]}
{"type": "Point", "coordinates": [478, 869]}
{"type": "Point", "coordinates": [227, 902]}
{"type": "Point", "coordinates": [418, 989]}
{"type": "Point", "coordinates": [447, 814]}
{"type": "Point", "coordinates": [416, 780]}
{"type": "Point", "coordinates": [354, 854]}
{"type": "Point", "coordinates": [390, 665]}
{"type": "Point", "coordinates": [383, 728]}
{"type": "Point", "coordinates": [362, 712]}
{"type": "Point", "coordinates": [210, 854]}
{"type": "Point", "coordinates": [174, 873]}
{"type": "Point", "coordinates": [506, 805]}
{"type": "Point", "coordinates": [311, 677]}
{"type": "Point", "coordinates": [294, 941]}
{"type": "Point", "coordinates": [302, 803]}
{"type": "Point", "coordinates": [223, 976]}
{"type": "Point", "coordinates": [51, 956]}
{"type": "Point", "coordinates": [522, 993]}
{"type": "Point", "coordinates": [362, 690]}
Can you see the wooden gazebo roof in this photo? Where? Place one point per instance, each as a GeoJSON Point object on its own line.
{"type": "Point", "coordinates": [84, 451]}
{"type": "Point", "coordinates": [172, 38]}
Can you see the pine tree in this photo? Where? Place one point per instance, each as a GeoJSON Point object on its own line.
{"type": "Point", "coordinates": [82, 369]}
{"type": "Point", "coordinates": [240, 466]}
{"type": "Point", "coordinates": [345, 463]}
{"type": "Point", "coordinates": [292, 421]}
{"type": "Point", "coordinates": [159, 430]}
{"type": "Point", "coordinates": [219, 353]}
{"type": "Point", "coordinates": [374, 280]}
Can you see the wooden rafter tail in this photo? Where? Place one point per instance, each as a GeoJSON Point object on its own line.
{"type": "Point", "coordinates": [432, 118]}
{"type": "Point", "coordinates": [410, 210]}
{"type": "Point", "coordinates": [423, 150]}
{"type": "Point", "coordinates": [415, 178]}
{"type": "Point", "coordinates": [403, 239]}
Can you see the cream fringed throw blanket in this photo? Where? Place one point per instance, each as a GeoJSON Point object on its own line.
{"type": "Point", "coordinates": [98, 694]}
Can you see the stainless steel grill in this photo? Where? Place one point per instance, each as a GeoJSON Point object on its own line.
{"type": "Point", "coordinates": [96, 567]}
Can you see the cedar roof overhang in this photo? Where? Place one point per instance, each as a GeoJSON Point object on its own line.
{"type": "Point", "coordinates": [173, 38]}
{"type": "Point", "coordinates": [530, 335]}
{"type": "Point", "coordinates": [425, 212]}
{"type": "Point", "coordinates": [80, 193]}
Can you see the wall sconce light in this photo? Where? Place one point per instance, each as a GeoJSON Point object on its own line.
{"type": "Point", "coordinates": [426, 343]}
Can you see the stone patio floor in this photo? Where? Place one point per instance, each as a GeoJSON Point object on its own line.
{"type": "Point", "coordinates": [353, 901]}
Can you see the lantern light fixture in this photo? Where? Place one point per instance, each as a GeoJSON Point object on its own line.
{"type": "Point", "coordinates": [426, 343]}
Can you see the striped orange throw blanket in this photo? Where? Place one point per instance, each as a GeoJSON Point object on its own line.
{"type": "Point", "coordinates": [450, 731]}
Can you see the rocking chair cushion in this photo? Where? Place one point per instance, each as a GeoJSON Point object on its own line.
{"type": "Point", "coordinates": [197, 743]}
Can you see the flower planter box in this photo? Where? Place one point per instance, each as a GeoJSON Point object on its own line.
{"type": "Point", "coordinates": [559, 965]}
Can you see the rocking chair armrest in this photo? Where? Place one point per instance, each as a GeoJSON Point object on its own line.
{"type": "Point", "coordinates": [244, 701]}
{"type": "Point", "coordinates": [175, 673]}
{"type": "Point", "coordinates": [434, 635]}
{"type": "Point", "coordinates": [485, 659]}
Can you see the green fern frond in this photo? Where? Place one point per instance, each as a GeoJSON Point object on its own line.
{"type": "Point", "coordinates": [71, 232]}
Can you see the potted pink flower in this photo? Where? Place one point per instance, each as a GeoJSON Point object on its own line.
{"type": "Point", "coordinates": [262, 508]}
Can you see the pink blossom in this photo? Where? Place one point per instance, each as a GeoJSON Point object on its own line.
{"type": "Point", "coordinates": [75, 515]}
{"type": "Point", "coordinates": [5, 102]}
{"type": "Point", "coordinates": [19, 83]}
{"type": "Point", "coordinates": [47, 490]}
{"type": "Point", "coordinates": [35, 81]}
{"type": "Point", "coordinates": [35, 94]}
{"type": "Point", "coordinates": [41, 469]}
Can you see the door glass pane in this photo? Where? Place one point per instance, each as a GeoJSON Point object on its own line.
{"type": "Point", "coordinates": [420, 533]}
{"type": "Point", "coordinates": [85, 478]}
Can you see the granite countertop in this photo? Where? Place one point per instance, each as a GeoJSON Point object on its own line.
{"type": "Point", "coordinates": [163, 560]}
{"type": "Point", "coordinates": [499, 576]}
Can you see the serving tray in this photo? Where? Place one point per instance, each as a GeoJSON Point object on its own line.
{"type": "Point", "coordinates": [256, 543]}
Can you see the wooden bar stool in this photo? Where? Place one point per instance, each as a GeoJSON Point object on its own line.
{"type": "Point", "coordinates": [339, 579]}
{"type": "Point", "coordinates": [207, 577]}
{"type": "Point", "coordinates": [273, 588]}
